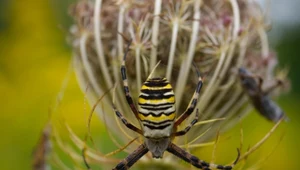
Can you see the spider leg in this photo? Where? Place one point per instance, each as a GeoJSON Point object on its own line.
{"type": "Point", "coordinates": [183, 132]}
{"type": "Point", "coordinates": [126, 123]}
{"type": "Point", "coordinates": [177, 151]}
{"type": "Point", "coordinates": [125, 83]}
{"type": "Point", "coordinates": [193, 101]}
{"type": "Point", "coordinates": [132, 158]}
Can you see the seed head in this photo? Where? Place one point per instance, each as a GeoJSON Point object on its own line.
{"type": "Point", "coordinates": [218, 36]}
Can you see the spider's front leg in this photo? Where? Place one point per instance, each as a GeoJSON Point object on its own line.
{"type": "Point", "coordinates": [125, 83]}
{"type": "Point", "coordinates": [193, 101]}
{"type": "Point", "coordinates": [126, 123]}
{"type": "Point", "coordinates": [193, 122]}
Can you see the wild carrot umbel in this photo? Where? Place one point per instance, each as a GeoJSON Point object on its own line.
{"type": "Point", "coordinates": [217, 36]}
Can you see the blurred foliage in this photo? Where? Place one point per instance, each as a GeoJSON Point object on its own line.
{"type": "Point", "coordinates": [4, 14]}
{"type": "Point", "coordinates": [35, 57]}
{"type": "Point", "coordinates": [33, 61]}
{"type": "Point", "coordinates": [288, 51]}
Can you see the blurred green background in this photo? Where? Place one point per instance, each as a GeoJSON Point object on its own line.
{"type": "Point", "coordinates": [35, 56]}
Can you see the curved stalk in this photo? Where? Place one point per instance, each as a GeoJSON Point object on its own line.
{"type": "Point", "coordinates": [184, 69]}
{"type": "Point", "coordinates": [173, 48]}
{"type": "Point", "coordinates": [138, 68]}
{"type": "Point", "coordinates": [99, 47]}
{"type": "Point", "coordinates": [120, 30]}
{"type": "Point", "coordinates": [155, 32]}
{"type": "Point", "coordinates": [87, 66]}
{"type": "Point", "coordinates": [264, 42]}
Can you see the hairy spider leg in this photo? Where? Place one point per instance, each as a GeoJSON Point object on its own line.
{"type": "Point", "coordinates": [125, 83]}
{"type": "Point", "coordinates": [193, 101]}
{"type": "Point", "coordinates": [179, 152]}
{"type": "Point", "coordinates": [132, 158]}
{"type": "Point", "coordinates": [193, 122]}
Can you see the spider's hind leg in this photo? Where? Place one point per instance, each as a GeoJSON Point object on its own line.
{"type": "Point", "coordinates": [177, 151]}
{"type": "Point", "coordinates": [132, 158]}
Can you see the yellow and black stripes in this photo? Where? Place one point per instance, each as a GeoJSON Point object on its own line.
{"type": "Point", "coordinates": [156, 104]}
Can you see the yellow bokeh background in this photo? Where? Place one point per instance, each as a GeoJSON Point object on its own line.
{"type": "Point", "coordinates": [34, 59]}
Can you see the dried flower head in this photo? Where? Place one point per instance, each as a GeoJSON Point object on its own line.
{"type": "Point", "coordinates": [218, 36]}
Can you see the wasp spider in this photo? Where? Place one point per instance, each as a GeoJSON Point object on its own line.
{"type": "Point", "coordinates": [156, 113]}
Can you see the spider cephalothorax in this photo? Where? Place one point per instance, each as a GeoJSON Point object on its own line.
{"type": "Point", "coordinates": [156, 113]}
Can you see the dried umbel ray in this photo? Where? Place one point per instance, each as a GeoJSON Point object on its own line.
{"type": "Point", "coordinates": [218, 36]}
{"type": "Point", "coordinates": [42, 150]}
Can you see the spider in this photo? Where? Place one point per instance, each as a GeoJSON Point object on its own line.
{"type": "Point", "coordinates": [156, 114]}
